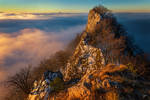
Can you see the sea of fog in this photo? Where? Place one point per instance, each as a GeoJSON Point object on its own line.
{"type": "Point", "coordinates": [136, 24]}
{"type": "Point", "coordinates": [27, 42]}
{"type": "Point", "coordinates": [24, 42]}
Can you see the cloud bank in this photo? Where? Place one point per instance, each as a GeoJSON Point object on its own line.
{"type": "Point", "coordinates": [49, 25]}
{"type": "Point", "coordinates": [30, 46]}
{"type": "Point", "coordinates": [27, 38]}
{"type": "Point", "coordinates": [36, 16]}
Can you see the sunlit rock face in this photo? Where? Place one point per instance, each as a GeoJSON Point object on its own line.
{"type": "Point", "coordinates": [112, 82]}
{"type": "Point", "coordinates": [50, 82]}
{"type": "Point", "coordinates": [94, 19]}
{"type": "Point", "coordinates": [85, 59]}
{"type": "Point", "coordinates": [86, 56]}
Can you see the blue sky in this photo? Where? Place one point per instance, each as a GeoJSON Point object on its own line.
{"type": "Point", "coordinates": [72, 5]}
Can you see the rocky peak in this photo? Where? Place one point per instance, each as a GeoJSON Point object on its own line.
{"type": "Point", "coordinates": [85, 59]}
{"type": "Point", "coordinates": [95, 80]}
{"type": "Point", "coordinates": [94, 19]}
{"type": "Point", "coordinates": [86, 56]}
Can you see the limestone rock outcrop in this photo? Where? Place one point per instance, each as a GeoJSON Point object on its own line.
{"type": "Point", "coordinates": [110, 83]}
{"type": "Point", "coordinates": [86, 76]}
{"type": "Point", "coordinates": [94, 19]}
{"type": "Point", "coordinates": [51, 81]}
{"type": "Point", "coordinates": [85, 58]}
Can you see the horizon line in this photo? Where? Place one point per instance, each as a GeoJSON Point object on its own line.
{"type": "Point", "coordinates": [75, 11]}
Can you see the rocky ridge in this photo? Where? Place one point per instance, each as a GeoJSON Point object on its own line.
{"type": "Point", "coordinates": [97, 81]}
{"type": "Point", "coordinates": [85, 59]}
{"type": "Point", "coordinates": [110, 83]}
{"type": "Point", "coordinates": [86, 56]}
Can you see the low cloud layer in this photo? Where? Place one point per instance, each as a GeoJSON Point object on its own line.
{"type": "Point", "coordinates": [35, 16]}
{"type": "Point", "coordinates": [30, 46]}
{"type": "Point", "coordinates": [29, 37]}
{"type": "Point", "coordinates": [48, 25]}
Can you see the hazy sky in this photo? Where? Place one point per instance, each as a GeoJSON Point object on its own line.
{"type": "Point", "coordinates": [72, 5]}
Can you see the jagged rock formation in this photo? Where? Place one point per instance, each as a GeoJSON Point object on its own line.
{"type": "Point", "coordinates": [97, 81]}
{"type": "Point", "coordinates": [85, 58]}
{"type": "Point", "coordinates": [110, 83]}
{"type": "Point", "coordinates": [50, 82]}
{"type": "Point", "coordinates": [94, 19]}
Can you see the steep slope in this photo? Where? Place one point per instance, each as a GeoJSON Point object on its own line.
{"type": "Point", "coordinates": [95, 80]}
{"type": "Point", "coordinates": [86, 57]}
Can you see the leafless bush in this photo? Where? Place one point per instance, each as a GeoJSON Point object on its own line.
{"type": "Point", "coordinates": [21, 81]}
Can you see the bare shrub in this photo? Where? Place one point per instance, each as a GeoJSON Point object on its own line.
{"type": "Point", "coordinates": [22, 80]}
